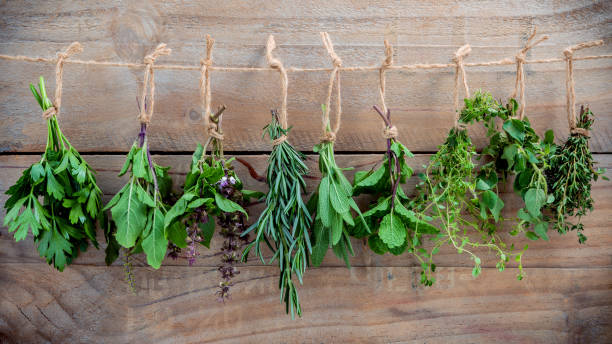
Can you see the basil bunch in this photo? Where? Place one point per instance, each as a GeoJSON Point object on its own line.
{"type": "Point", "coordinates": [57, 198]}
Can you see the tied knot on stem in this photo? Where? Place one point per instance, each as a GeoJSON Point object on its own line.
{"type": "Point", "coordinates": [520, 74]}
{"type": "Point", "coordinates": [570, 85]}
{"type": "Point", "coordinates": [211, 120]}
{"type": "Point", "coordinates": [149, 83]}
{"type": "Point", "coordinates": [214, 126]}
{"type": "Point", "coordinates": [460, 54]}
{"type": "Point", "coordinates": [275, 63]}
{"type": "Point", "coordinates": [72, 49]}
{"type": "Point", "coordinates": [329, 132]}
{"type": "Point", "coordinates": [390, 132]}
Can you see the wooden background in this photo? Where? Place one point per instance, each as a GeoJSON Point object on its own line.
{"type": "Point", "coordinates": [566, 296]}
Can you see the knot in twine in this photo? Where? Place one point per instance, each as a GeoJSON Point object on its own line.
{"type": "Point", "coordinates": [329, 132]}
{"type": "Point", "coordinates": [390, 132]}
{"type": "Point", "coordinates": [212, 126]}
{"type": "Point", "coordinates": [580, 131]}
{"type": "Point", "coordinates": [149, 83]}
{"type": "Point", "coordinates": [460, 54]}
{"type": "Point", "coordinates": [275, 63]}
{"type": "Point", "coordinates": [570, 85]}
{"type": "Point", "coordinates": [54, 110]}
{"type": "Point", "coordinates": [520, 74]}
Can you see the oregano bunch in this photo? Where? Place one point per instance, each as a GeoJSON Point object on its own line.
{"type": "Point", "coordinates": [57, 198]}
{"type": "Point", "coordinates": [138, 210]}
{"type": "Point", "coordinates": [211, 190]}
{"type": "Point", "coordinates": [283, 225]}
{"type": "Point", "coordinates": [515, 150]}
{"type": "Point", "coordinates": [388, 218]}
{"type": "Point", "coordinates": [465, 204]}
{"type": "Point", "coordinates": [570, 177]}
{"type": "Point", "coordinates": [332, 204]}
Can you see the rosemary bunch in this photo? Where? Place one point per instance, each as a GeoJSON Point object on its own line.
{"type": "Point", "coordinates": [57, 198]}
{"type": "Point", "coordinates": [284, 223]}
{"type": "Point", "coordinates": [570, 176]}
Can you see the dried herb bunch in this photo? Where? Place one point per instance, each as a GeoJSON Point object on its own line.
{"type": "Point", "coordinates": [463, 203]}
{"type": "Point", "coordinates": [332, 204]}
{"type": "Point", "coordinates": [393, 225]}
{"type": "Point", "coordinates": [211, 189]}
{"type": "Point", "coordinates": [570, 177]}
{"type": "Point", "coordinates": [515, 150]}
{"type": "Point", "coordinates": [138, 210]}
{"type": "Point", "coordinates": [57, 198]}
{"type": "Point", "coordinates": [284, 223]}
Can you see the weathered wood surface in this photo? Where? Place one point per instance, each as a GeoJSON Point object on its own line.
{"type": "Point", "coordinates": [421, 101]}
{"type": "Point", "coordinates": [566, 296]}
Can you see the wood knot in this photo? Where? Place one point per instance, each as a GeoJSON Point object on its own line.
{"type": "Point", "coordinates": [390, 132]}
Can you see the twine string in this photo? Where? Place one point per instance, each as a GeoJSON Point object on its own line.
{"type": "Point", "coordinates": [519, 85]}
{"type": "Point", "coordinates": [212, 126]}
{"type": "Point", "coordinates": [149, 83]}
{"type": "Point", "coordinates": [72, 49]}
{"type": "Point", "coordinates": [389, 130]}
{"type": "Point", "coordinates": [570, 85]}
{"type": "Point", "coordinates": [460, 54]}
{"type": "Point", "coordinates": [275, 63]}
{"type": "Point", "coordinates": [329, 132]}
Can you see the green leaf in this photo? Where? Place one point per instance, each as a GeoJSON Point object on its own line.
{"type": "Point", "coordinates": [377, 245]}
{"type": "Point", "coordinates": [321, 245]}
{"type": "Point", "coordinates": [549, 137]}
{"type": "Point", "coordinates": [54, 188]}
{"type": "Point", "coordinates": [338, 198]}
{"type": "Point", "coordinates": [76, 214]}
{"type": "Point", "coordinates": [130, 216]}
{"type": "Point", "coordinates": [509, 154]}
{"type": "Point", "coordinates": [323, 209]}
{"type": "Point", "coordinates": [374, 177]}
{"type": "Point", "coordinates": [177, 234]}
{"type": "Point", "coordinates": [531, 236]}
{"type": "Point", "coordinates": [207, 231]}
{"type": "Point", "coordinates": [227, 205]}
{"type": "Point", "coordinates": [541, 228]}
{"type": "Point", "coordinates": [392, 231]}
{"type": "Point", "coordinates": [382, 207]}
{"type": "Point", "coordinates": [198, 202]}
{"type": "Point", "coordinates": [54, 247]}
{"type": "Point", "coordinates": [37, 171]}
{"type": "Point", "coordinates": [515, 128]}
{"type": "Point", "coordinates": [486, 182]}
{"type": "Point", "coordinates": [493, 203]}
{"type": "Point", "coordinates": [155, 244]}
{"type": "Point", "coordinates": [336, 227]}
{"type": "Point", "coordinates": [534, 200]}
{"type": "Point", "coordinates": [128, 159]}
{"type": "Point", "coordinates": [140, 164]}
{"type": "Point", "coordinates": [144, 196]}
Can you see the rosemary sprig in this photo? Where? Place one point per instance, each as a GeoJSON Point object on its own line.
{"type": "Point", "coordinates": [283, 224]}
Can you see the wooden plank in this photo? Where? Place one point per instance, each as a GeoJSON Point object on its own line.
{"type": "Point", "coordinates": [367, 304]}
{"type": "Point", "coordinates": [95, 97]}
{"type": "Point", "coordinates": [560, 251]}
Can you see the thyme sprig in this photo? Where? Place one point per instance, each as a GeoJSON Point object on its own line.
{"type": "Point", "coordinates": [283, 224]}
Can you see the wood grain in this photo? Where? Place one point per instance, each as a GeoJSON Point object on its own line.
{"type": "Point", "coordinates": [365, 304]}
{"type": "Point", "coordinates": [421, 101]}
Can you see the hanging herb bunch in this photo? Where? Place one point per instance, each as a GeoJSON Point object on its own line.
{"type": "Point", "coordinates": [332, 204]}
{"type": "Point", "coordinates": [393, 225]}
{"type": "Point", "coordinates": [211, 189]}
{"type": "Point", "coordinates": [570, 177]}
{"type": "Point", "coordinates": [57, 198]}
{"type": "Point", "coordinates": [515, 150]}
{"type": "Point", "coordinates": [283, 225]}
{"type": "Point", "coordinates": [464, 203]}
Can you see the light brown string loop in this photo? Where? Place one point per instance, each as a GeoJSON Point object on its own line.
{"type": "Point", "coordinates": [74, 48]}
{"type": "Point", "coordinates": [149, 82]}
{"type": "Point", "coordinates": [390, 132]}
{"type": "Point", "coordinates": [387, 62]}
{"type": "Point", "coordinates": [212, 127]}
{"type": "Point", "coordinates": [330, 135]}
{"type": "Point", "coordinates": [570, 85]}
{"type": "Point", "coordinates": [520, 74]}
{"type": "Point", "coordinates": [275, 63]}
{"type": "Point", "coordinates": [460, 54]}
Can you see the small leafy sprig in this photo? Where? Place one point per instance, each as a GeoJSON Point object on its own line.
{"type": "Point", "coordinates": [285, 221]}
{"type": "Point", "coordinates": [139, 208]}
{"type": "Point", "coordinates": [515, 150]}
{"type": "Point", "coordinates": [466, 206]}
{"type": "Point", "coordinates": [570, 177]}
{"type": "Point", "coordinates": [57, 198]}
{"type": "Point", "coordinates": [391, 222]}
{"type": "Point", "coordinates": [212, 189]}
{"type": "Point", "coordinates": [332, 204]}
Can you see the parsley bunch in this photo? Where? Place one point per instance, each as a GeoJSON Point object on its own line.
{"type": "Point", "coordinates": [284, 223]}
{"type": "Point", "coordinates": [211, 189]}
{"type": "Point", "coordinates": [570, 176]}
{"type": "Point", "coordinates": [515, 150]}
{"type": "Point", "coordinates": [57, 198]}
{"type": "Point", "coordinates": [139, 209]}
{"type": "Point", "coordinates": [332, 203]}
{"type": "Point", "coordinates": [391, 222]}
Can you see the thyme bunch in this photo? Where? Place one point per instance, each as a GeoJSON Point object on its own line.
{"type": "Point", "coordinates": [570, 177]}
{"type": "Point", "coordinates": [283, 225]}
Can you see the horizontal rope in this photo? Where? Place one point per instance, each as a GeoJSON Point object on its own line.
{"type": "Point", "coordinates": [506, 61]}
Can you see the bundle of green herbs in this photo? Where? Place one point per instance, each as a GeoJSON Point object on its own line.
{"type": "Point", "coordinates": [393, 225]}
{"type": "Point", "coordinates": [332, 204]}
{"type": "Point", "coordinates": [570, 177]}
{"type": "Point", "coordinates": [211, 190]}
{"type": "Point", "coordinates": [57, 198]}
{"type": "Point", "coordinates": [283, 225]}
